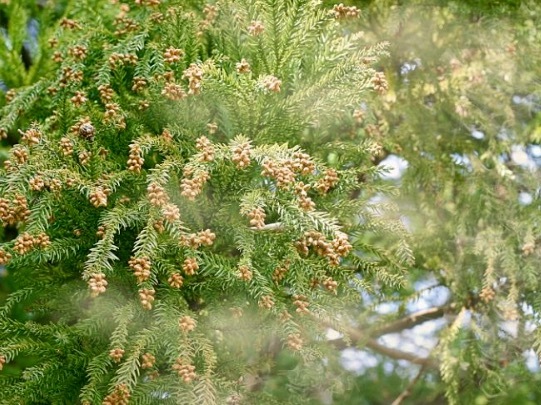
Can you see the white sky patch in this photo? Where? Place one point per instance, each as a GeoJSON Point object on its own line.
{"type": "Point", "coordinates": [530, 101]}
{"type": "Point", "coordinates": [440, 295]}
{"type": "Point", "coordinates": [408, 67]}
{"type": "Point", "coordinates": [415, 341]}
{"type": "Point", "coordinates": [378, 198]}
{"type": "Point", "coordinates": [419, 305]}
{"type": "Point", "coordinates": [426, 282]}
{"type": "Point", "coordinates": [462, 160]}
{"type": "Point", "coordinates": [525, 198]}
{"type": "Point", "coordinates": [530, 327]}
{"type": "Point", "coordinates": [510, 327]}
{"type": "Point", "coordinates": [407, 370]}
{"type": "Point", "coordinates": [395, 166]}
{"type": "Point", "coordinates": [367, 298]}
{"type": "Point", "coordinates": [332, 334]}
{"type": "Point", "coordinates": [387, 308]}
{"type": "Point", "coordinates": [477, 134]}
{"type": "Point", "coordinates": [467, 318]}
{"type": "Point", "coordinates": [357, 360]}
{"type": "Point", "coordinates": [527, 309]}
{"type": "Point", "coordinates": [392, 340]}
{"type": "Point", "coordinates": [407, 223]}
{"type": "Point", "coordinates": [374, 205]}
{"type": "Point", "coordinates": [410, 347]}
{"type": "Point", "coordinates": [521, 158]}
{"type": "Point", "coordinates": [532, 361]}
{"type": "Point", "coordinates": [428, 328]}
{"type": "Point", "coordinates": [519, 155]}
{"type": "Point", "coordinates": [388, 367]}
{"type": "Point", "coordinates": [535, 150]}
{"type": "Point", "coordinates": [160, 394]}
{"type": "Point", "coordinates": [419, 345]}
{"type": "Point", "coordinates": [436, 296]}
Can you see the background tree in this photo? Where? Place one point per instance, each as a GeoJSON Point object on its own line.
{"type": "Point", "coordinates": [167, 170]}
{"type": "Point", "coordinates": [463, 110]}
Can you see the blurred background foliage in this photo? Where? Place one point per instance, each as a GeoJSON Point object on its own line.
{"type": "Point", "coordinates": [460, 128]}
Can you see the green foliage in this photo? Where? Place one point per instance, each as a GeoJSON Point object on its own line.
{"type": "Point", "coordinates": [462, 108]}
{"type": "Point", "coordinates": [197, 195]}
{"type": "Point", "coordinates": [186, 241]}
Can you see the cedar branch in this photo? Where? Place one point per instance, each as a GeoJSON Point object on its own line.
{"type": "Point", "coordinates": [412, 320]}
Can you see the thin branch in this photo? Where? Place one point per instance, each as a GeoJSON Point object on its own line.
{"type": "Point", "coordinates": [412, 320]}
{"type": "Point", "coordinates": [399, 325]}
{"type": "Point", "coordinates": [357, 337]}
{"type": "Point", "coordinates": [407, 391]}
{"type": "Point", "coordinates": [399, 354]}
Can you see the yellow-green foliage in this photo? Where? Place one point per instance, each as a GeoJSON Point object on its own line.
{"type": "Point", "coordinates": [187, 192]}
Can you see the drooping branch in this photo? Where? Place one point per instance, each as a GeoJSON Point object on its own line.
{"type": "Point", "coordinates": [369, 340]}
{"type": "Point", "coordinates": [399, 354]}
{"type": "Point", "coordinates": [412, 320]}
{"type": "Point", "coordinates": [356, 338]}
{"type": "Point", "coordinates": [408, 390]}
{"type": "Point", "coordinates": [407, 322]}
